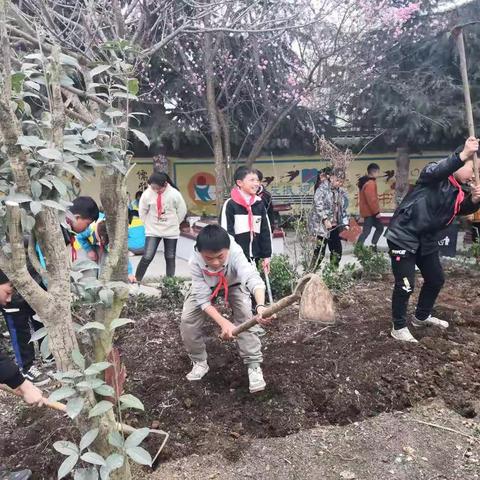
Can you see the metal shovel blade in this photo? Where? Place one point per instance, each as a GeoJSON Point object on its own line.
{"type": "Point", "coordinates": [316, 304]}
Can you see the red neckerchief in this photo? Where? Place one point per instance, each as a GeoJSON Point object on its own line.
{"type": "Point", "coordinates": [458, 200]}
{"type": "Point", "coordinates": [159, 204]}
{"type": "Point", "coordinates": [72, 242]}
{"type": "Point", "coordinates": [238, 197]}
{"type": "Point", "coordinates": [222, 284]}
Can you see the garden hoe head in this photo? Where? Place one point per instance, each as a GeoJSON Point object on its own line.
{"type": "Point", "coordinates": [316, 302]}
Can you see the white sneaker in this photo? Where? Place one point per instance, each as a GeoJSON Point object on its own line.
{"type": "Point", "coordinates": [430, 322]}
{"type": "Point", "coordinates": [198, 371]}
{"type": "Point", "coordinates": [403, 335]}
{"type": "Point", "coordinates": [256, 383]}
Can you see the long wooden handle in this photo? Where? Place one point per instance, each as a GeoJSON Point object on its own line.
{"type": "Point", "coordinates": [61, 407]}
{"type": "Point", "coordinates": [466, 92]}
{"type": "Point", "coordinates": [269, 312]}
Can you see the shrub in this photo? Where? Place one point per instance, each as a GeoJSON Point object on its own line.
{"type": "Point", "coordinates": [338, 279]}
{"type": "Point", "coordinates": [173, 290]}
{"type": "Point", "coordinates": [373, 264]}
{"type": "Point", "coordinates": [282, 276]}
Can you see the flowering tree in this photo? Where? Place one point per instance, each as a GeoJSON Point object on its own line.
{"type": "Point", "coordinates": [237, 86]}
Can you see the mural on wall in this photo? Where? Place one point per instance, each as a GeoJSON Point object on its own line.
{"type": "Point", "coordinates": [291, 180]}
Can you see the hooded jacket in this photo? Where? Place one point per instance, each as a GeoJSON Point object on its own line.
{"type": "Point", "coordinates": [237, 270]}
{"type": "Point", "coordinates": [368, 197]}
{"type": "Point", "coordinates": [255, 238]}
{"type": "Point", "coordinates": [430, 207]}
{"type": "Point", "coordinates": [164, 224]}
{"type": "Point", "coordinates": [328, 204]}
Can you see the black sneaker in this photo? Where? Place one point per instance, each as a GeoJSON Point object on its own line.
{"type": "Point", "coordinates": [19, 475]}
{"type": "Point", "coordinates": [36, 376]}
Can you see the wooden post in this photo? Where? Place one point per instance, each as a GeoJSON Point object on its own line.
{"type": "Point", "coordinates": [459, 39]}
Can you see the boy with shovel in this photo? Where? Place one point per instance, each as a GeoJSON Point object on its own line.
{"type": "Point", "coordinates": [11, 376]}
{"type": "Point", "coordinates": [219, 264]}
{"type": "Point", "coordinates": [441, 193]}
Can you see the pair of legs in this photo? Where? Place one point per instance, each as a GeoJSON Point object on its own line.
{"type": "Point", "coordinates": [20, 324]}
{"type": "Point", "coordinates": [193, 320]}
{"type": "Point", "coordinates": [151, 246]}
{"type": "Point", "coordinates": [403, 267]}
{"type": "Point", "coordinates": [368, 224]}
{"type": "Point", "coordinates": [334, 243]}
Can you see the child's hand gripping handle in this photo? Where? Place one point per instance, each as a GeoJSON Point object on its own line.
{"type": "Point", "coordinates": [270, 311]}
{"type": "Point", "coordinates": [54, 405]}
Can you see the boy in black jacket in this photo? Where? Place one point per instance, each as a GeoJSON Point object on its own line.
{"type": "Point", "coordinates": [440, 194]}
{"type": "Point", "coordinates": [245, 218]}
{"type": "Point", "coordinates": [266, 196]}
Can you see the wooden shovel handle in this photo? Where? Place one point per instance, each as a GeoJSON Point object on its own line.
{"type": "Point", "coordinates": [54, 405]}
{"type": "Point", "coordinates": [268, 312]}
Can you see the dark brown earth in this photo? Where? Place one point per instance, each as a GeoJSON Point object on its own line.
{"type": "Point", "coordinates": [316, 375]}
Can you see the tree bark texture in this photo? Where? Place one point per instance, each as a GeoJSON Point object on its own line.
{"type": "Point", "coordinates": [402, 174]}
{"type": "Point", "coordinates": [215, 127]}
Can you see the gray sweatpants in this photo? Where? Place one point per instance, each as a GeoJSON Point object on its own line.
{"type": "Point", "coordinates": [193, 318]}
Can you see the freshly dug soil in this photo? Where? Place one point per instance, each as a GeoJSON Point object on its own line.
{"type": "Point", "coordinates": [316, 375]}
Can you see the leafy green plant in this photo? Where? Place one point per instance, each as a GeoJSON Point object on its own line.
{"type": "Point", "coordinates": [173, 290]}
{"type": "Point", "coordinates": [282, 276]}
{"type": "Point", "coordinates": [87, 393]}
{"type": "Point", "coordinates": [373, 263]}
{"type": "Point", "coordinates": [339, 279]}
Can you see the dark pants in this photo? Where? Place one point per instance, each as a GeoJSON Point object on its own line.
{"type": "Point", "coordinates": [151, 246]}
{"type": "Point", "coordinates": [19, 325]}
{"type": "Point", "coordinates": [403, 267]}
{"type": "Point", "coordinates": [368, 224]}
{"type": "Point", "coordinates": [334, 243]}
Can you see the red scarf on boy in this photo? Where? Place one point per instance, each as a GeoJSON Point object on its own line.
{"type": "Point", "coordinates": [458, 200]}
{"type": "Point", "coordinates": [222, 284]}
{"type": "Point", "coordinates": [239, 197]}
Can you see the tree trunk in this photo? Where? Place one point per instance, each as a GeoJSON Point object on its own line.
{"type": "Point", "coordinates": [402, 163]}
{"type": "Point", "coordinates": [160, 161]}
{"type": "Point", "coordinates": [114, 200]}
{"type": "Point", "coordinates": [214, 122]}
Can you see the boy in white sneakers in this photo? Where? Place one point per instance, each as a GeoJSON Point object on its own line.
{"type": "Point", "coordinates": [217, 265]}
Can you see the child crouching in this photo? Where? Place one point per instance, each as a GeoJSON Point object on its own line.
{"type": "Point", "coordinates": [220, 264]}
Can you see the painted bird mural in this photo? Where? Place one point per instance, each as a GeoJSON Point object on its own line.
{"type": "Point", "coordinates": [292, 175]}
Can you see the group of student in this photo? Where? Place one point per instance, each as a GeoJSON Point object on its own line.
{"type": "Point", "coordinates": [444, 190]}
{"type": "Point", "coordinates": [227, 257]}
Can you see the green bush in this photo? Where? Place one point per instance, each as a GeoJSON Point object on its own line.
{"type": "Point", "coordinates": [373, 263]}
{"type": "Point", "coordinates": [173, 290]}
{"type": "Point", "coordinates": [338, 279]}
{"type": "Point", "coordinates": [282, 276]}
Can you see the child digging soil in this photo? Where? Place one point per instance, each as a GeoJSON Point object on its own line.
{"type": "Point", "coordinates": [220, 264]}
{"type": "Point", "coordinates": [440, 194]}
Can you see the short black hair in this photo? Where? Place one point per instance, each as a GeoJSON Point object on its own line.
{"type": "Point", "coordinates": [3, 278]}
{"type": "Point", "coordinates": [242, 172]}
{"type": "Point", "coordinates": [259, 175]}
{"type": "Point", "coordinates": [213, 238]}
{"type": "Point", "coordinates": [372, 167]}
{"type": "Point", "coordinates": [138, 194]}
{"type": "Point", "coordinates": [85, 207]}
{"type": "Point", "coordinates": [161, 179]}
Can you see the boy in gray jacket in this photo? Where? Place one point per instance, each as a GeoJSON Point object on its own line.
{"type": "Point", "coordinates": [220, 264]}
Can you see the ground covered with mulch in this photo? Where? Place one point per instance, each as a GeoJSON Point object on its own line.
{"type": "Point", "coordinates": [316, 375]}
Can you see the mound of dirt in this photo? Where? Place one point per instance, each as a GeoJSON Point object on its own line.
{"type": "Point", "coordinates": [315, 375]}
